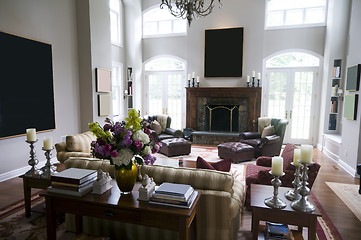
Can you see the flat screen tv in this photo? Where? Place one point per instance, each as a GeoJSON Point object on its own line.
{"type": "Point", "coordinates": [27, 91]}
{"type": "Point", "coordinates": [223, 54]}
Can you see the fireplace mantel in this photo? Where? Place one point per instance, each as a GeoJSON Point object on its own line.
{"type": "Point", "coordinates": [252, 93]}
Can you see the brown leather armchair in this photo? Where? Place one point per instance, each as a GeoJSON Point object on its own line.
{"type": "Point", "coordinates": [269, 145]}
{"type": "Point", "coordinates": [167, 133]}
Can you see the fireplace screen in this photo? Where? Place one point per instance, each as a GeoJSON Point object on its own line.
{"type": "Point", "coordinates": [222, 118]}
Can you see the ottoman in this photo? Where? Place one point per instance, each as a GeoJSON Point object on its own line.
{"type": "Point", "coordinates": [175, 147]}
{"type": "Point", "coordinates": [239, 152]}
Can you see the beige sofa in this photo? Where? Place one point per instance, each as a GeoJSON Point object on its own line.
{"type": "Point", "coordinates": [221, 203]}
{"type": "Point", "coordinates": [77, 145]}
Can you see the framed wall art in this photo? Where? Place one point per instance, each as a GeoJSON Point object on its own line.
{"type": "Point", "coordinates": [104, 105]}
{"type": "Point", "coordinates": [103, 80]}
{"type": "Point", "coordinates": [350, 107]}
{"type": "Point", "coordinates": [353, 78]}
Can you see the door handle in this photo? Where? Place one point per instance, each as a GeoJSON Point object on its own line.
{"type": "Point", "coordinates": [286, 114]}
{"type": "Point", "coordinates": [291, 114]}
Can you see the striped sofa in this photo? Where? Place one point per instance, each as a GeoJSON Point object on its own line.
{"type": "Point", "coordinates": [221, 203]}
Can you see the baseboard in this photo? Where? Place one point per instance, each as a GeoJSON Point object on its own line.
{"type": "Point", "coordinates": [20, 171]}
{"type": "Point", "coordinates": [330, 155]}
{"type": "Point", "coordinates": [347, 168]}
{"type": "Point", "coordinates": [319, 147]}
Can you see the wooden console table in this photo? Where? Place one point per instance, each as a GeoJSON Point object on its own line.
{"type": "Point", "coordinates": [124, 208]}
{"type": "Point", "coordinates": [261, 212]}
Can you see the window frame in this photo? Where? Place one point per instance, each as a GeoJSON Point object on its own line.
{"type": "Point", "coordinates": [120, 84]}
{"type": "Point", "coordinates": [302, 25]}
{"type": "Point", "coordinates": [119, 16]}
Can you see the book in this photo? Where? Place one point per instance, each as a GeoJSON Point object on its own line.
{"type": "Point", "coordinates": [79, 193]}
{"type": "Point", "coordinates": [277, 231]}
{"type": "Point", "coordinates": [55, 183]}
{"type": "Point", "coordinates": [170, 200]}
{"type": "Point", "coordinates": [174, 189]}
{"type": "Point", "coordinates": [74, 175]}
{"type": "Point", "coordinates": [75, 187]}
{"type": "Point", "coordinates": [188, 206]}
{"type": "Point", "coordinates": [170, 197]}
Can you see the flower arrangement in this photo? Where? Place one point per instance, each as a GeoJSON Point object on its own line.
{"type": "Point", "coordinates": [121, 141]}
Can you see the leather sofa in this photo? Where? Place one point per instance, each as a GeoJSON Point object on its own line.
{"type": "Point", "coordinates": [220, 208]}
{"type": "Point", "coordinates": [167, 132]}
{"type": "Point", "coordinates": [77, 145]}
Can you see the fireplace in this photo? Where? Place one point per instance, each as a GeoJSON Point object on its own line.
{"type": "Point", "coordinates": [223, 118]}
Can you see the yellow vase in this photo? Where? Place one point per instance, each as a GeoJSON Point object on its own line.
{"type": "Point", "coordinates": [126, 179]}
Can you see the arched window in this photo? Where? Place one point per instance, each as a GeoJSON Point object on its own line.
{"type": "Point", "coordinates": [159, 22]}
{"type": "Point", "coordinates": [165, 81]}
{"type": "Point", "coordinates": [293, 59]}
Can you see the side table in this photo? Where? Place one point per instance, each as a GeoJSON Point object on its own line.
{"type": "Point", "coordinates": [261, 212]}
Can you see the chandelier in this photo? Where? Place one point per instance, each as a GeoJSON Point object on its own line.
{"type": "Point", "coordinates": [189, 9]}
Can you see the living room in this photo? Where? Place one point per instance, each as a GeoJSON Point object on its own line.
{"type": "Point", "coordinates": [80, 37]}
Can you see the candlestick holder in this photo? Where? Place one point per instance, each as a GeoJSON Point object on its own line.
{"type": "Point", "coordinates": [189, 83]}
{"type": "Point", "coordinates": [258, 82]}
{"type": "Point", "coordinates": [48, 169]}
{"type": "Point", "coordinates": [293, 194]}
{"type": "Point", "coordinates": [252, 81]}
{"type": "Point", "coordinates": [192, 82]}
{"type": "Point", "coordinates": [247, 84]}
{"type": "Point", "coordinates": [33, 172]}
{"type": "Point", "coordinates": [275, 201]}
{"type": "Point", "coordinates": [303, 204]}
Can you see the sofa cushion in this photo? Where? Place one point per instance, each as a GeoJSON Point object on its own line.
{"type": "Point", "coordinates": [79, 142]}
{"type": "Point", "coordinates": [268, 131]}
{"type": "Point", "coordinates": [154, 125]}
{"type": "Point", "coordinates": [287, 156]}
{"type": "Point", "coordinates": [262, 123]}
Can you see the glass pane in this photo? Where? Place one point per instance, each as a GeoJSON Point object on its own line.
{"type": "Point", "coordinates": [165, 27]}
{"type": "Point", "coordinates": [114, 5]}
{"type": "Point", "coordinates": [150, 28]}
{"type": "Point", "coordinates": [114, 27]}
{"type": "Point", "coordinates": [315, 15]}
{"type": "Point", "coordinates": [293, 4]}
{"type": "Point", "coordinates": [175, 100]}
{"type": "Point", "coordinates": [179, 26]}
{"type": "Point", "coordinates": [293, 59]}
{"type": "Point", "coordinates": [301, 110]}
{"type": "Point", "coordinates": [275, 18]}
{"type": "Point", "coordinates": [160, 64]}
{"type": "Point", "coordinates": [116, 91]}
{"type": "Point", "coordinates": [294, 17]}
{"type": "Point", "coordinates": [155, 94]}
{"type": "Point", "coordinates": [277, 95]}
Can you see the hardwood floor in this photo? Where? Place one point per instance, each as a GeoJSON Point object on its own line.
{"type": "Point", "coordinates": [342, 217]}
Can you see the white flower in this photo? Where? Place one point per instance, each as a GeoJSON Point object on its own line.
{"type": "Point", "coordinates": [124, 157]}
{"type": "Point", "coordinates": [141, 136]}
{"type": "Point", "coordinates": [147, 150]}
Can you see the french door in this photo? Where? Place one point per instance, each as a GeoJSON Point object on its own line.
{"type": "Point", "coordinates": [165, 95]}
{"type": "Point", "coordinates": [291, 95]}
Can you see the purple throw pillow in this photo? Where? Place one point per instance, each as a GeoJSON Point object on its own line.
{"type": "Point", "coordinates": [223, 165]}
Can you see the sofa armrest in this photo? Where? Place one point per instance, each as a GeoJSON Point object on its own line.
{"type": "Point", "coordinates": [270, 139]}
{"type": "Point", "coordinates": [264, 161]}
{"type": "Point", "coordinates": [60, 146]}
{"type": "Point", "coordinates": [249, 135]}
{"type": "Point", "coordinates": [173, 132]}
{"type": "Point", "coordinates": [264, 178]}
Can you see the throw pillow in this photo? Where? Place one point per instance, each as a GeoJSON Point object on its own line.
{"type": "Point", "coordinates": [223, 165]}
{"type": "Point", "coordinates": [268, 131]}
{"type": "Point", "coordinates": [154, 125]}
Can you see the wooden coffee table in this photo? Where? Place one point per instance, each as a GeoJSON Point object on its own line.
{"type": "Point", "coordinates": [261, 212]}
{"type": "Point", "coordinates": [124, 208]}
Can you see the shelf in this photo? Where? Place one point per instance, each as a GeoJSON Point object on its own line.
{"type": "Point", "coordinates": [333, 113]}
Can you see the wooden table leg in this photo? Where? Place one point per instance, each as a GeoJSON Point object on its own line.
{"type": "Point", "coordinates": [27, 197]}
{"type": "Point", "coordinates": [312, 228]}
{"type": "Point", "coordinates": [78, 224]}
{"type": "Point", "coordinates": [183, 230]}
{"type": "Point", "coordinates": [255, 224]}
{"type": "Point", "coordinates": [50, 219]}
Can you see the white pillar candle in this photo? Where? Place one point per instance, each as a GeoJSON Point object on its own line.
{"type": "Point", "coordinates": [258, 75]}
{"type": "Point", "coordinates": [197, 79]}
{"type": "Point", "coordinates": [297, 157]}
{"type": "Point", "coordinates": [306, 153]}
{"type": "Point", "coordinates": [31, 134]}
{"type": "Point", "coordinates": [193, 74]}
{"type": "Point", "coordinates": [277, 166]}
{"type": "Point", "coordinates": [189, 76]}
{"type": "Point", "coordinates": [248, 78]}
{"type": "Point", "coordinates": [48, 143]}
{"type": "Point", "coordinates": [253, 73]}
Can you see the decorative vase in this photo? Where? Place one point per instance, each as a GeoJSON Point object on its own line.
{"type": "Point", "coordinates": [126, 179]}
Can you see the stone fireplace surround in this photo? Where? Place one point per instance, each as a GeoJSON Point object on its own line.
{"type": "Point", "coordinates": [247, 98]}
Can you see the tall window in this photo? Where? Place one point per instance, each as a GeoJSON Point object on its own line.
{"type": "Point", "coordinates": [165, 81]}
{"type": "Point", "coordinates": [159, 22]}
{"type": "Point", "coordinates": [116, 21]}
{"type": "Point", "coordinates": [295, 13]}
{"type": "Point", "coordinates": [117, 91]}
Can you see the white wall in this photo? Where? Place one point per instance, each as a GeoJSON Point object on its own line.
{"type": "Point", "coordinates": [53, 22]}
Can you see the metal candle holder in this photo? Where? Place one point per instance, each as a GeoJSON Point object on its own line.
{"type": "Point", "coordinates": [252, 81]}
{"type": "Point", "coordinates": [258, 82]}
{"type": "Point", "coordinates": [33, 172]}
{"type": "Point", "coordinates": [192, 82]}
{"type": "Point", "coordinates": [247, 84]}
{"type": "Point", "coordinates": [303, 204]}
{"type": "Point", "coordinates": [293, 194]}
{"type": "Point", "coordinates": [197, 84]}
{"type": "Point", "coordinates": [48, 169]}
{"type": "Point", "coordinates": [275, 201]}
{"type": "Point", "coordinates": [189, 83]}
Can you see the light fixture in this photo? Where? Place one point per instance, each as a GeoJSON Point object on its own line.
{"type": "Point", "coordinates": [189, 9]}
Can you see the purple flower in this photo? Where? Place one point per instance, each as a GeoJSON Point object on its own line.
{"type": "Point", "coordinates": [117, 128]}
{"type": "Point", "coordinates": [149, 159]}
{"type": "Point", "coordinates": [107, 126]}
{"type": "Point", "coordinates": [100, 141]}
{"type": "Point", "coordinates": [138, 145]}
{"type": "Point", "coordinates": [147, 131]}
{"type": "Point", "coordinates": [127, 141]}
{"type": "Point", "coordinates": [114, 153]}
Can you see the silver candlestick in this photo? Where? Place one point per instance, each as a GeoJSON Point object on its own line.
{"type": "Point", "coordinates": [48, 169]}
{"type": "Point", "coordinates": [303, 204]}
{"type": "Point", "coordinates": [33, 172]}
{"type": "Point", "coordinates": [293, 194]}
{"type": "Point", "coordinates": [275, 201]}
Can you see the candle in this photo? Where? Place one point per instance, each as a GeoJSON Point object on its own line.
{"type": "Point", "coordinates": [193, 74]}
{"type": "Point", "coordinates": [31, 134]}
{"type": "Point", "coordinates": [277, 166]}
{"type": "Point", "coordinates": [189, 76]}
{"type": "Point", "coordinates": [197, 79]}
{"type": "Point", "coordinates": [258, 75]}
{"type": "Point", "coordinates": [306, 153]}
{"type": "Point", "coordinates": [47, 143]}
{"type": "Point", "coordinates": [253, 73]}
{"type": "Point", "coordinates": [297, 157]}
{"type": "Point", "coordinates": [248, 78]}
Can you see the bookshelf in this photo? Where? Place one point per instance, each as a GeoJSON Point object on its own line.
{"type": "Point", "coordinates": [334, 97]}
{"type": "Point", "coordinates": [130, 89]}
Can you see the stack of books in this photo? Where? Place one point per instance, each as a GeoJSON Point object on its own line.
{"type": "Point", "coordinates": [174, 195]}
{"type": "Point", "coordinates": [73, 182]}
{"type": "Point", "coordinates": [277, 231]}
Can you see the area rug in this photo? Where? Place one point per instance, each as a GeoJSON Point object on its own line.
{"type": "Point", "coordinates": [349, 195]}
